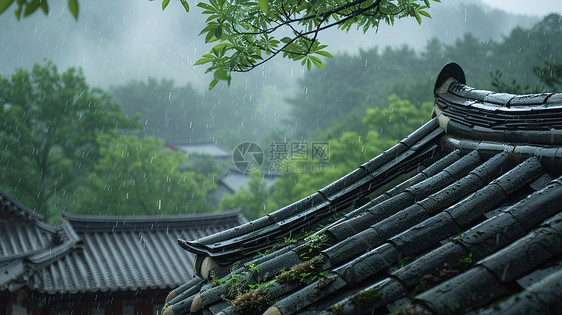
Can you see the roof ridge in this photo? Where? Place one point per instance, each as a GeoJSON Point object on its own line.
{"type": "Point", "coordinates": [122, 223]}
{"type": "Point", "coordinates": [486, 115]}
{"type": "Point", "coordinates": [24, 211]}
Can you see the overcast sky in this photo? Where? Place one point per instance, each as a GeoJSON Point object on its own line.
{"type": "Point", "coordinates": [115, 42]}
{"type": "Point", "coordinates": [536, 7]}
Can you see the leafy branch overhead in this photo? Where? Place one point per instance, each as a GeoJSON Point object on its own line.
{"type": "Point", "coordinates": [28, 7]}
{"type": "Point", "coordinates": [248, 33]}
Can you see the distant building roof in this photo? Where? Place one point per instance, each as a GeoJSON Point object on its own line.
{"type": "Point", "coordinates": [463, 215]}
{"type": "Point", "coordinates": [92, 254]}
{"type": "Point", "coordinates": [202, 147]}
{"type": "Point", "coordinates": [235, 179]}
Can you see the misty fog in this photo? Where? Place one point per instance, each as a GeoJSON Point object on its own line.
{"type": "Point", "coordinates": [114, 42]}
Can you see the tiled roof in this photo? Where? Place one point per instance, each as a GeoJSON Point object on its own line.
{"type": "Point", "coordinates": [91, 254]}
{"type": "Point", "coordinates": [203, 147]}
{"type": "Point", "coordinates": [463, 215]}
{"type": "Point", "coordinates": [235, 179]}
{"type": "Point", "coordinates": [22, 234]}
{"type": "Point", "coordinates": [12, 208]}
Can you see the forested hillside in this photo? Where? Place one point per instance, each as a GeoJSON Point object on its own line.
{"type": "Point", "coordinates": [96, 153]}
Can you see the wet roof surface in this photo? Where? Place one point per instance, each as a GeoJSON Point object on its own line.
{"type": "Point", "coordinates": [464, 215]}
{"type": "Point", "coordinates": [98, 254]}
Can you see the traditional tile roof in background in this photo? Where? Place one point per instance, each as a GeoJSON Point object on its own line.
{"type": "Point", "coordinates": [202, 147]}
{"type": "Point", "coordinates": [465, 214]}
{"type": "Point", "coordinates": [234, 180]}
{"type": "Point", "coordinates": [22, 234]}
{"type": "Point", "coordinates": [91, 254]}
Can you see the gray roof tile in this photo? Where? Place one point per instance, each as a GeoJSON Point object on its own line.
{"type": "Point", "coordinates": [89, 254]}
{"type": "Point", "coordinates": [479, 215]}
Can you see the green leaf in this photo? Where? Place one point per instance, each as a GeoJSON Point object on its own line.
{"type": "Point", "coordinates": [206, 6]}
{"type": "Point", "coordinates": [165, 4]}
{"type": "Point", "coordinates": [202, 61]}
{"type": "Point", "coordinates": [213, 83]}
{"type": "Point", "coordinates": [211, 17]}
{"type": "Point", "coordinates": [73, 7]}
{"type": "Point", "coordinates": [31, 7]}
{"type": "Point", "coordinates": [308, 64]}
{"type": "Point", "coordinates": [209, 36]}
{"type": "Point", "coordinates": [286, 40]}
{"type": "Point", "coordinates": [324, 53]}
{"type": "Point", "coordinates": [264, 6]}
{"type": "Point", "coordinates": [316, 61]}
{"type": "Point", "coordinates": [210, 27]}
{"type": "Point", "coordinates": [45, 7]}
{"type": "Point", "coordinates": [4, 4]}
{"type": "Point", "coordinates": [218, 32]}
{"type": "Point", "coordinates": [185, 5]}
{"type": "Point", "coordinates": [424, 13]}
{"type": "Point", "coordinates": [418, 17]}
{"type": "Point", "coordinates": [221, 74]}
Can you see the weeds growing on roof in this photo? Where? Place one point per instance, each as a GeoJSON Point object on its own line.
{"type": "Point", "coordinates": [305, 272]}
{"type": "Point", "coordinates": [252, 301]}
{"type": "Point", "coordinates": [366, 298]}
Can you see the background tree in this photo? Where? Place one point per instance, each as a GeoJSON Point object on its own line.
{"type": "Point", "coordinates": [398, 119]}
{"type": "Point", "coordinates": [166, 111]}
{"type": "Point", "coordinates": [253, 200]}
{"type": "Point", "coordinates": [411, 74]}
{"type": "Point", "coordinates": [49, 124]}
{"type": "Point", "coordinates": [172, 112]}
{"type": "Point", "coordinates": [140, 177]}
{"type": "Point", "coordinates": [384, 127]}
{"type": "Point", "coordinates": [499, 83]}
{"type": "Point", "coordinates": [550, 74]}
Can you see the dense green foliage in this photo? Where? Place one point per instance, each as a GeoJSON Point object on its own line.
{"type": "Point", "coordinates": [249, 33]}
{"type": "Point", "coordinates": [140, 178]}
{"type": "Point", "coordinates": [550, 74]}
{"type": "Point", "coordinates": [384, 127]}
{"type": "Point", "coordinates": [49, 123]}
{"type": "Point", "coordinates": [253, 200]}
{"type": "Point", "coordinates": [182, 113]}
{"type": "Point", "coordinates": [63, 150]}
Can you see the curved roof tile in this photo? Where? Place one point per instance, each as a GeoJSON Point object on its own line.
{"type": "Point", "coordinates": [478, 216]}
{"type": "Point", "coordinates": [90, 254]}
